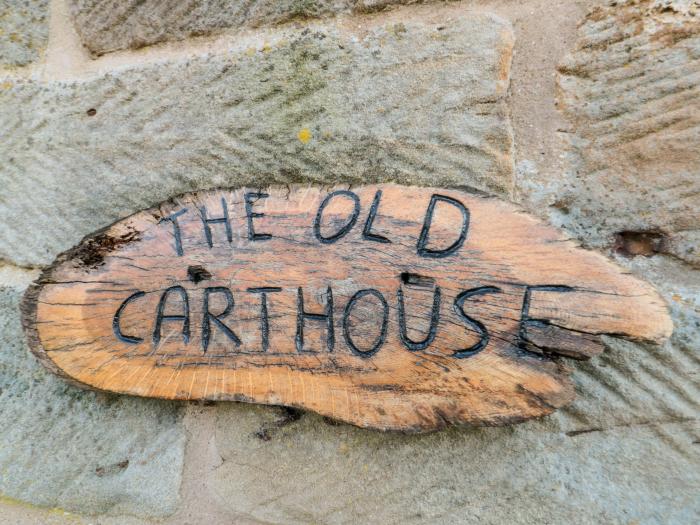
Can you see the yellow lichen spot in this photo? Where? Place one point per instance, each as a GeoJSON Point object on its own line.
{"type": "Point", "coordinates": [250, 51]}
{"type": "Point", "coordinates": [266, 48]}
{"type": "Point", "coordinates": [6, 85]}
{"type": "Point", "coordinates": [304, 135]}
{"type": "Point", "coordinates": [11, 502]}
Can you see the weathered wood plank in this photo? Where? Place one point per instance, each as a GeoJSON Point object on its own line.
{"type": "Point", "coordinates": [387, 307]}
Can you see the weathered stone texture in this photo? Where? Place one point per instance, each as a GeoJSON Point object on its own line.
{"type": "Point", "coordinates": [24, 31]}
{"type": "Point", "coordinates": [635, 384]}
{"type": "Point", "coordinates": [631, 92]}
{"type": "Point", "coordinates": [311, 473]}
{"type": "Point", "coordinates": [110, 25]}
{"type": "Point", "coordinates": [424, 105]}
{"type": "Point", "coordinates": [624, 452]}
{"type": "Point", "coordinates": [64, 447]}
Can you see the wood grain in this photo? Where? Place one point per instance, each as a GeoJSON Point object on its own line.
{"type": "Point", "coordinates": [446, 307]}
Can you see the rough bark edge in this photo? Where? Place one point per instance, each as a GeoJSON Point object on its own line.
{"type": "Point", "coordinates": [30, 301]}
{"type": "Point", "coordinates": [28, 312]}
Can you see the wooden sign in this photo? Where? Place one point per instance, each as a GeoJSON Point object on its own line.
{"type": "Point", "coordinates": [384, 306]}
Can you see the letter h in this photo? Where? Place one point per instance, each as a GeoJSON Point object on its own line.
{"type": "Point", "coordinates": [219, 220]}
{"type": "Point", "coordinates": [302, 315]}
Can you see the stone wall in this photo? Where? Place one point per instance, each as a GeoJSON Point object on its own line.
{"type": "Point", "coordinates": [585, 113]}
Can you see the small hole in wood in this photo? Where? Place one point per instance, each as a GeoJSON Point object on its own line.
{"type": "Point", "coordinates": [414, 279]}
{"type": "Point", "coordinates": [197, 274]}
{"type": "Point", "coordinates": [91, 112]}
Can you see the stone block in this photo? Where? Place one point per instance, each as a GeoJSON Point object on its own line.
{"type": "Point", "coordinates": [421, 106]}
{"type": "Point", "coordinates": [630, 92]}
{"type": "Point", "coordinates": [111, 25]}
{"type": "Point", "coordinates": [24, 31]}
{"type": "Point", "coordinates": [79, 450]}
{"type": "Point", "coordinates": [310, 472]}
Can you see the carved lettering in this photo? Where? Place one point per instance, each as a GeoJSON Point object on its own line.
{"type": "Point", "coordinates": [414, 346]}
{"type": "Point", "coordinates": [116, 326]}
{"type": "Point", "coordinates": [250, 199]}
{"type": "Point", "coordinates": [206, 222]}
{"type": "Point", "coordinates": [478, 326]}
{"type": "Point", "coordinates": [423, 250]}
{"type": "Point", "coordinates": [209, 317]}
{"type": "Point", "coordinates": [327, 317]}
{"type": "Point", "coordinates": [385, 306]}
{"type": "Point", "coordinates": [162, 316]}
{"type": "Point", "coordinates": [264, 320]}
{"type": "Point", "coordinates": [367, 231]}
{"type": "Point", "coordinates": [384, 323]}
{"type": "Point", "coordinates": [346, 227]}
{"type": "Point", "coordinates": [176, 229]}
